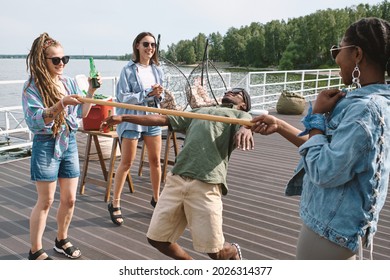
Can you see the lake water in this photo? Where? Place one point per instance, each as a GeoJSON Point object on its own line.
{"type": "Point", "coordinates": [15, 69]}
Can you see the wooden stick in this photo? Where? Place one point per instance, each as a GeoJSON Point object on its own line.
{"type": "Point", "coordinates": [184, 114]}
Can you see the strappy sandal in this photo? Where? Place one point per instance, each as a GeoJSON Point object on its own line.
{"type": "Point", "coordinates": [114, 218]}
{"type": "Point", "coordinates": [238, 248]}
{"type": "Point", "coordinates": [153, 202]}
{"type": "Point", "coordinates": [37, 254]}
{"type": "Point", "coordinates": [59, 248]}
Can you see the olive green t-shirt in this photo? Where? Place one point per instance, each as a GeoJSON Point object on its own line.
{"type": "Point", "coordinates": [207, 145]}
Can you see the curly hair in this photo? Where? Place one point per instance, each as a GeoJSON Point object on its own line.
{"type": "Point", "coordinates": [39, 73]}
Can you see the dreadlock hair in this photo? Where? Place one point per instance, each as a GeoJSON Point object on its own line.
{"type": "Point", "coordinates": [136, 56]}
{"type": "Point", "coordinates": [373, 36]}
{"type": "Point", "coordinates": [37, 67]}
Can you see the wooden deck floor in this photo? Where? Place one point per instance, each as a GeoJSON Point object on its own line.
{"type": "Point", "coordinates": [257, 215]}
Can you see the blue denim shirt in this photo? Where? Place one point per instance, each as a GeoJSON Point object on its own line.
{"type": "Point", "coordinates": [130, 90]}
{"type": "Point", "coordinates": [344, 179]}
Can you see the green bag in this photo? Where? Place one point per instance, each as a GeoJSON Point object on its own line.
{"type": "Point", "coordinates": [290, 103]}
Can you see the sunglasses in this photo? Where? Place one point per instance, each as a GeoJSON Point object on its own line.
{"type": "Point", "coordinates": [56, 60]}
{"type": "Point", "coordinates": [235, 91]}
{"type": "Point", "coordinates": [335, 50]}
{"type": "Point", "coordinates": [146, 44]}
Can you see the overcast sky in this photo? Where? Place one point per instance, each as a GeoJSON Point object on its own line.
{"type": "Point", "coordinates": [108, 27]}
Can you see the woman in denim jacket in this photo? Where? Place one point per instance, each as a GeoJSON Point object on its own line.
{"type": "Point", "coordinates": [140, 83]}
{"type": "Point", "coordinates": [343, 174]}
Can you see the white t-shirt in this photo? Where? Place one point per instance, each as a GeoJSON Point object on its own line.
{"type": "Point", "coordinates": [146, 75]}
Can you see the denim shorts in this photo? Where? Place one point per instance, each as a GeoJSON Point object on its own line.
{"type": "Point", "coordinates": [44, 167]}
{"type": "Point", "coordinates": [132, 134]}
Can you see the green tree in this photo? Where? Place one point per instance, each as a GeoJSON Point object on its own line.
{"type": "Point", "coordinates": [301, 42]}
{"type": "Point", "coordinates": [199, 43]}
{"type": "Point", "coordinates": [290, 57]}
{"type": "Point", "coordinates": [382, 10]}
{"type": "Point", "coordinates": [171, 53]}
{"type": "Point", "coordinates": [216, 49]}
{"type": "Point", "coordinates": [275, 42]}
{"type": "Point", "coordinates": [255, 50]}
{"type": "Point", "coordinates": [234, 45]}
{"type": "Point", "coordinates": [185, 52]}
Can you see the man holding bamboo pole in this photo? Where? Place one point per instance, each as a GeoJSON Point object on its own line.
{"type": "Point", "coordinates": [193, 190]}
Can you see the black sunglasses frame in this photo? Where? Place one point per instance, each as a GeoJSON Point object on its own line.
{"type": "Point", "coordinates": [56, 60]}
{"type": "Point", "coordinates": [146, 44]}
{"type": "Point", "coordinates": [335, 50]}
{"type": "Point", "coordinates": [235, 91]}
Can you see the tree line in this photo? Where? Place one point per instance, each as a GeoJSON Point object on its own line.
{"type": "Point", "coordinates": [300, 43]}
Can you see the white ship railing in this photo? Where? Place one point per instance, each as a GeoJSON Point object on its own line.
{"type": "Point", "coordinates": [264, 88]}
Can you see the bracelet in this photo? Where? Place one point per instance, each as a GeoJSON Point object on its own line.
{"type": "Point", "coordinates": [88, 94]}
{"type": "Point", "coordinates": [313, 121]}
{"type": "Point", "coordinates": [62, 103]}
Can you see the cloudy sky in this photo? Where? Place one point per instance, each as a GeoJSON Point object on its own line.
{"type": "Point", "coordinates": [108, 27]}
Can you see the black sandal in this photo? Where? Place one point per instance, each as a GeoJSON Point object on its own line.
{"type": "Point", "coordinates": [37, 254]}
{"type": "Point", "coordinates": [114, 218]}
{"type": "Point", "coordinates": [153, 202]}
{"type": "Point", "coordinates": [58, 247]}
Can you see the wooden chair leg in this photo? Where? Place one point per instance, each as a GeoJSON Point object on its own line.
{"type": "Point", "coordinates": [166, 157]}
{"type": "Point", "coordinates": [100, 155]}
{"type": "Point", "coordinates": [130, 182]}
{"type": "Point", "coordinates": [85, 166]}
{"type": "Point", "coordinates": [175, 144]}
{"type": "Point", "coordinates": [111, 171]}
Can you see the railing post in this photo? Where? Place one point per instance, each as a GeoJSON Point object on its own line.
{"type": "Point", "coordinates": [285, 81]}
{"type": "Point", "coordinates": [248, 83]}
{"type": "Point", "coordinates": [264, 83]}
{"type": "Point", "coordinates": [229, 80]}
{"type": "Point", "coordinates": [7, 124]}
{"type": "Point", "coordinates": [113, 87]}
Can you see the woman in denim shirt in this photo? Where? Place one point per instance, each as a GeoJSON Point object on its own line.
{"type": "Point", "coordinates": [139, 84]}
{"type": "Point", "coordinates": [343, 174]}
{"type": "Point", "coordinates": [52, 112]}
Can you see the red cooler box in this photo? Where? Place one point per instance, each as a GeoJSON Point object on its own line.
{"type": "Point", "coordinates": [96, 115]}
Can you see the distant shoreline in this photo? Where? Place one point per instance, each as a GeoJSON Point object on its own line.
{"type": "Point", "coordinates": [219, 65]}
{"type": "Point", "coordinates": [18, 56]}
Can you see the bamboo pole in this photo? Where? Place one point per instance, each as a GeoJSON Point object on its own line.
{"type": "Point", "coordinates": [184, 114]}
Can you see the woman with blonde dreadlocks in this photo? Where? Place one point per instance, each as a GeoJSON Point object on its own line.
{"type": "Point", "coordinates": [51, 111]}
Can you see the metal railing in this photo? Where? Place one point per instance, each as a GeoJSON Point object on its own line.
{"type": "Point", "coordinates": [14, 133]}
{"type": "Point", "coordinates": [264, 88]}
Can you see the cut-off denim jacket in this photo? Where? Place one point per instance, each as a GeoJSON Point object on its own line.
{"type": "Point", "coordinates": [343, 175]}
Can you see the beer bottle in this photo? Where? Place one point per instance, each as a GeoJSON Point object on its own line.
{"type": "Point", "coordinates": [93, 73]}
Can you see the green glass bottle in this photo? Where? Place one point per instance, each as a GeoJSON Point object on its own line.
{"type": "Point", "coordinates": [93, 73]}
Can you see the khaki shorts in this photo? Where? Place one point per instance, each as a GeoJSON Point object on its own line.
{"type": "Point", "coordinates": [193, 203]}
